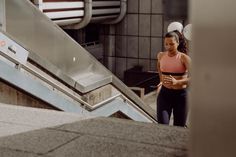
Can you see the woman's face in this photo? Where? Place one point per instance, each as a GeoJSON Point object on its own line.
{"type": "Point", "coordinates": [171, 44]}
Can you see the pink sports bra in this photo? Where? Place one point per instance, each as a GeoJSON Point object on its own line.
{"type": "Point", "coordinates": [172, 65]}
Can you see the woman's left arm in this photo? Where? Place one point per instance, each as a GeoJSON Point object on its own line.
{"type": "Point", "coordinates": [184, 81]}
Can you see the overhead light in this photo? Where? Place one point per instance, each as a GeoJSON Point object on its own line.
{"type": "Point", "coordinates": [175, 26]}
{"type": "Point", "coordinates": [187, 31]}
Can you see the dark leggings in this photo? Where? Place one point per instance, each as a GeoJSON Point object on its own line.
{"type": "Point", "coordinates": [172, 99]}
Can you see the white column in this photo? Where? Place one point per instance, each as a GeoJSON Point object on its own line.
{"type": "Point", "coordinates": [213, 85]}
{"type": "Point", "coordinates": [2, 15]}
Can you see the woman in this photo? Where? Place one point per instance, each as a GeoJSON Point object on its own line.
{"type": "Point", "coordinates": [173, 67]}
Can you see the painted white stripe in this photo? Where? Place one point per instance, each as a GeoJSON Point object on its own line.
{"type": "Point", "coordinates": [62, 5]}
{"type": "Point", "coordinates": [64, 14]}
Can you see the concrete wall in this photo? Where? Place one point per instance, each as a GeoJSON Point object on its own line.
{"type": "Point", "coordinates": [213, 87]}
{"type": "Point", "coordinates": [11, 95]}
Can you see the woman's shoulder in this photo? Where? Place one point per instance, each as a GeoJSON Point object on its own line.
{"type": "Point", "coordinates": [185, 57]}
{"type": "Point", "coordinates": [160, 54]}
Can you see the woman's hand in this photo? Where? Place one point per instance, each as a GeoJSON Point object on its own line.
{"type": "Point", "coordinates": [159, 87]}
{"type": "Point", "coordinates": [173, 80]}
{"type": "Point", "coordinates": [170, 80]}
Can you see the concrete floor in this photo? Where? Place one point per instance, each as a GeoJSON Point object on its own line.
{"type": "Point", "coordinates": [99, 137]}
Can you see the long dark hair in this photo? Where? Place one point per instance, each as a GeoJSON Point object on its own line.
{"type": "Point", "coordinates": [182, 42]}
{"type": "Point", "coordinates": [180, 39]}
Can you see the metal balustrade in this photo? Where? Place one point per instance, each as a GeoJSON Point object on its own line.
{"type": "Point", "coordinates": [24, 66]}
{"type": "Point", "coordinates": [60, 71]}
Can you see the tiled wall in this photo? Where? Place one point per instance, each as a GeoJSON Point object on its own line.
{"type": "Point", "coordinates": [137, 39]}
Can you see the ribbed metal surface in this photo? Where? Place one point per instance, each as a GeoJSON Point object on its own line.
{"type": "Point", "coordinates": [61, 12]}
{"type": "Point", "coordinates": [102, 8]}
{"type": "Point", "coordinates": [106, 3]}
{"type": "Point", "coordinates": [68, 12]}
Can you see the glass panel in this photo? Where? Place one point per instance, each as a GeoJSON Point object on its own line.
{"type": "Point", "coordinates": [41, 36]}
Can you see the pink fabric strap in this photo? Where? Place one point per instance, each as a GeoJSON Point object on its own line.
{"type": "Point", "coordinates": [172, 64]}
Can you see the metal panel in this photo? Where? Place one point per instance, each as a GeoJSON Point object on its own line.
{"type": "Point", "coordinates": [67, 21]}
{"type": "Point", "coordinates": [53, 69]}
{"type": "Point", "coordinates": [2, 15]}
{"type": "Point", "coordinates": [64, 14]}
{"type": "Point", "coordinates": [106, 11]}
{"type": "Point", "coordinates": [64, 5]}
{"type": "Point", "coordinates": [32, 86]}
{"type": "Point", "coordinates": [119, 105]}
{"type": "Point", "coordinates": [102, 18]}
{"type": "Point", "coordinates": [52, 44]}
{"type": "Point", "coordinates": [13, 50]}
{"type": "Point", "coordinates": [106, 3]}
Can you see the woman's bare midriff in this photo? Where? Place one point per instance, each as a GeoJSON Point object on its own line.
{"type": "Point", "coordinates": [170, 85]}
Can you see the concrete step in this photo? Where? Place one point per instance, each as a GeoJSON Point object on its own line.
{"type": "Point", "coordinates": [97, 137]}
{"type": "Point", "coordinates": [18, 119]}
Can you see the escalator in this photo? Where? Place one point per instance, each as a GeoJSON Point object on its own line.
{"type": "Point", "coordinates": [38, 57]}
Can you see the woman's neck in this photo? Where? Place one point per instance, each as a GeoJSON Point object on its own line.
{"type": "Point", "coordinates": [172, 53]}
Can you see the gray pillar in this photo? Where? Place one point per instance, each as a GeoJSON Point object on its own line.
{"type": "Point", "coordinates": [213, 86]}
{"type": "Point", "coordinates": [2, 15]}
